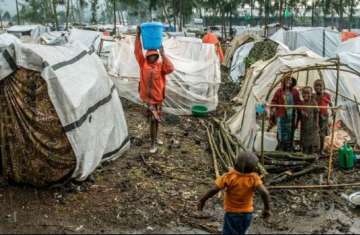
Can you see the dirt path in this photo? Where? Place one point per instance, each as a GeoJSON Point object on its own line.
{"type": "Point", "coordinates": [139, 193]}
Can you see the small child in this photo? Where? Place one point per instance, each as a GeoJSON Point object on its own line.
{"type": "Point", "coordinates": [240, 185]}
{"type": "Point", "coordinates": [323, 99]}
{"type": "Point", "coordinates": [309, 119]}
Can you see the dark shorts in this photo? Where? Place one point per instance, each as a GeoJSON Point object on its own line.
{"type": "Point", "coordinates": [236, 223]}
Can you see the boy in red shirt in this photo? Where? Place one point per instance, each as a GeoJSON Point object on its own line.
{"type": "Point", "coordinates": [323, 99]}
{"type": "Point", "coordinates": [240, 185]}
{"type": "Point", "coordinates": [152, 84]}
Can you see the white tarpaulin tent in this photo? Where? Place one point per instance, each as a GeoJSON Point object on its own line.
{"type": "Point", "coordinates": [238, 66]}
{"type": "Point", "coordinates": [84, 98]}
{"type": "Point", "coordinates": [322, 41]}
{"type": "Point", "coordinates": [90, 39]}
{"type": "Point", "coordinates": [7, 39]}
{"type": "Point", "coordinates": [34, 31]}
{"type": "Point", "coordinates": [350, 46]}
{"type": "Point", "coordinates": [55, 38]}
{"type": "Point", "coordinates": [266, 75]}
{"type": "Point", "coordinates": [196, 78]}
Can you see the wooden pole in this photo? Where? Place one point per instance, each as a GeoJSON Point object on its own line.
{"type": "Point", "coordinates": [263, 115]}
{"type": "Point", "coordinates": [328, 186]}
{"type": "Point", "coordinates": [333, 124]}
{"type": "Point", "coordinates": [301, 106]}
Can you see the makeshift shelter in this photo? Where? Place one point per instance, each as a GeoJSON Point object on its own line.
{"type": "Point", "coordinates": [55, 38]}
{"type": "Point", "coordinates": [350, 46]}
{"type": "Point", "coordinates": [60, 114]}
{"type": "Point", "coordinates": [264, 78]}
{"type": "Point", "coordinates": [90, 39]}
{"type": "Point", "coordinates": [196, 78]}
{"type": "Point", "coordinates": [34, 31]}
{"type": "Point", "coordinates": [237, 42]}
{"type": "Point", "coordinates": [322, 41]}
{"type": "Point", "coordinates": [250, 52]}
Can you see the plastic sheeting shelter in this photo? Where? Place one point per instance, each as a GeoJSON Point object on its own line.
{"type": "Point", "coordinates": [196, 78]}
{"type": "Point", "coordinates": [322, 41]}
{"type": "Point", "coordinates": [55, 38]}
{"type": "Point", "coordinates": [90, 39]}
{"type": "Point", "coordinates": [350, 46]}
{"type": "Point", "coordinates": [238, 66]}
{"type": "Point", "coordinates": [34, 31]}
{"type": "Point", "coordinates": [264, 78]}
{"type": "Point", "coordinates": [83, 96]}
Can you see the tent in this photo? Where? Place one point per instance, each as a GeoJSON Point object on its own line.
{"type": "Point", "coordinates": [234, 45]}
{"type": "Point", "coordinates": [90, 39]}
{"type": "Point", "coordinates": [350, 46]}
{"type": "Point", "coordinates": [320, 40]}
{"type": "Point", "coordinates": [60, 114]}
{"type": "Point", "coordinates": [265, 76]}
{"type": "Point", "coordinates": [55, 38]}
{"type": "Point", "coordinates": [238, 63]}
{"type": "Point", "coordinates": [196, 78]}
{"type": "Point", "coordinates": [34, 31]}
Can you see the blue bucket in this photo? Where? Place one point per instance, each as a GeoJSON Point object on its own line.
{"type": "Point", "coordinates": [151, 34]}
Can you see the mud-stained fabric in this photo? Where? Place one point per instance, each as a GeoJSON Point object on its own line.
{"type": "Point", "coordinates": [35, 149]}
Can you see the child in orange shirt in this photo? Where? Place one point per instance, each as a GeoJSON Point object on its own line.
{"type": "Point", "coordinates": [240, 185]}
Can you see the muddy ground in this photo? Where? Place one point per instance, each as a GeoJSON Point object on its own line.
{"type": "Point", "coordinates": [143, 193]}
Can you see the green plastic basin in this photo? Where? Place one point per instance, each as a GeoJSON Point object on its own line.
{"type": "Point", "coordinates": [199, 110]}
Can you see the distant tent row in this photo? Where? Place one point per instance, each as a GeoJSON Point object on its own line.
{"type": "Point", "coordinates": [60, 114]}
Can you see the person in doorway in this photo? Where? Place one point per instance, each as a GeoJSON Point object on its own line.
{"type": "Point", "coordinates": [323, 99]}
{"type": "Point", "coordinates": [152, 84]}
{"type": "Point", "coordinates": [240, 185]}
{"type": "Point", "coordinates": [211, 38]}
{"type": "Point", "coordinates": [309, 121]}
{"type": "Point", "coordinates": [285, 117]}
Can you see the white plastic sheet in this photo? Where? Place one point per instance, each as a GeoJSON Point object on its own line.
{"type": "Point", "coordinates": [34, 31]}
{"type": "Point", "coordinates": [90, 39]}
{"type": "Point", "coordinates": [196, 78]}
{"type": "Point", "coordinates": [322, 41]}
{"type": "Point", "coordinates": [350, 46]}
{"type": "Point", "coordinates": [238, 66]}
{"type": "Point", "coordinates": [85, 100]}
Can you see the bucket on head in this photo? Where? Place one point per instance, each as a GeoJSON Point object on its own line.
{"type": "Point", "coordinates": [151, 34]}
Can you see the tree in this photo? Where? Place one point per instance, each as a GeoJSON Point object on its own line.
{"type": "Point", "coordinates": [94, 8]}
{"type": "Point", "coordinates": [54, 11]}
{"type": "Point", "coordinates": [7, 16]}
{"type": "Point", "coordinates": [67, 13]}
{"type": "Point", "coordinates": [17, 12]}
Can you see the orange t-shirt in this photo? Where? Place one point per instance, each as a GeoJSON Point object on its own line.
{"type": "Point", "coordinates": [239, 190]}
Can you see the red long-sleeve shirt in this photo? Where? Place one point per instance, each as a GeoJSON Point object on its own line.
{"type": "Point", "coordinates": [152, 76]}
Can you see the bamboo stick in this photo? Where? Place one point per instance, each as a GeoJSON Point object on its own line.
{"type": "Point", "coordinates": [216, 169]}
{"type": "Point", "coordinates": [327, 186]}
{"type": "Point", "coordinates": [333, 124]}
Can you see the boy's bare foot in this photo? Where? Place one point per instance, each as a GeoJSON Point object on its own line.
{"type": "Point", "coordinates": [160, 142]}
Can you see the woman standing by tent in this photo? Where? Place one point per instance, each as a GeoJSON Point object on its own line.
{"type": "Point", "coordinates": [285, 117]}
{"type": "Point", "coordinates": [152, 84]}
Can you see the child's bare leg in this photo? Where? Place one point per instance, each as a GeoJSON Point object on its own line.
{"type": "Point", "coordinates": [153, 133]}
